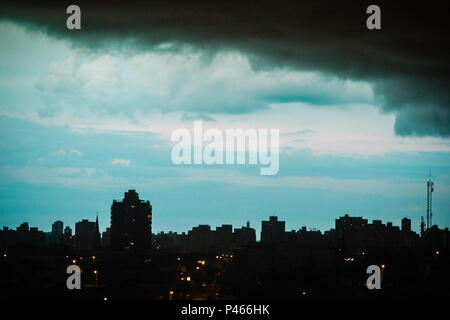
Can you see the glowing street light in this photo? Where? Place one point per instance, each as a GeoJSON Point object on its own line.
{"type": "Point", "coordinates": [96, 278]}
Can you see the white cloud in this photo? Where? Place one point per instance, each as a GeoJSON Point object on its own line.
{"type": "Point", "coordinates": [122, 162]}
{"type": "Point", "coordinates": [76, 152]}
{"type": "Point", "coordinates": [185, 82]}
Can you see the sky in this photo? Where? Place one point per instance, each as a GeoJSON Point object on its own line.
{"type": "Point", "coordinates": [86, 115]}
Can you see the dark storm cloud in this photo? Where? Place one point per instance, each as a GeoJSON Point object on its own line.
{"type": "Point", "coordinates": [406, 62]}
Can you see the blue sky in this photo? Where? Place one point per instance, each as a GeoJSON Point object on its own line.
{"type": "Point", "coordinates": [78, 127]}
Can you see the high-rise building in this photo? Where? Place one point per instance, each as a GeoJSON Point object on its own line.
{"type": "Point", "coordinates": [106, 238]}
{"type": "Point", "coordinates": [407, 235]}
{"type": "Point", "coordinates": [406, 225]}
{"type": "Point", "coordinates": [244, 236]}
{"type": "Point", "coordinates": [131, 223]}
{"type": "Point", "coordinates": [351, 233]}
{"type": "Point", "coordinates": [273, 231]}
{"type": "Point", "coordinates": [67, 231]}
{"type": "Point", "coordinates": [57, 228]}
{"type": "Point", "coordinates": [85, 235]}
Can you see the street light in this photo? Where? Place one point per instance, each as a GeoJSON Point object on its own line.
{"type": "Point", "coordinates": [96, 278]}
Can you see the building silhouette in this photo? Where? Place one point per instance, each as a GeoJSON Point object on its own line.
{"type": "Point", "coordinates": [406, 225]}
{"type": "Point", "coordinates": [351, 233]}
{"type": "Point", "coordinates": [244, 236]}
{"type": "Point", "coordinates": [56, 235]}
{"type": "Point", "coordinates": [202, 239]}
{"type": "Point", "coordinates": [85, 235]}
{"type": "Point", "coordinates": [131, 223]}
{"type": "Point", "coordinates": [273, 231]}
{"type": "Point", "coordinates": [57, 229]}
{"type": "Point", "coordinates": [97, 239]}
{"type": "Point", "coordinates": [67, 231]}
{"type": "Point", "coordinates": [106, 238]}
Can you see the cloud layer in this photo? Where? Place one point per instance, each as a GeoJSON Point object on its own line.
{"type": "Point", "coordinates": [406, 62]}
{"type": "Point", "coordinates": [184, 82]}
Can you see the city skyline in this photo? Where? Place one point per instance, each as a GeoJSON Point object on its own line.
{"type": "Point", "coordinates": [128, 261]}
{"type": "Point", "coordinates": [362, 114]}
{"type": "Point", "coordinates": [257, 227]}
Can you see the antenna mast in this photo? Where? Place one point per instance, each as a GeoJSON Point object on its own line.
{"type": "Point", "coordinates": [430, 189]}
